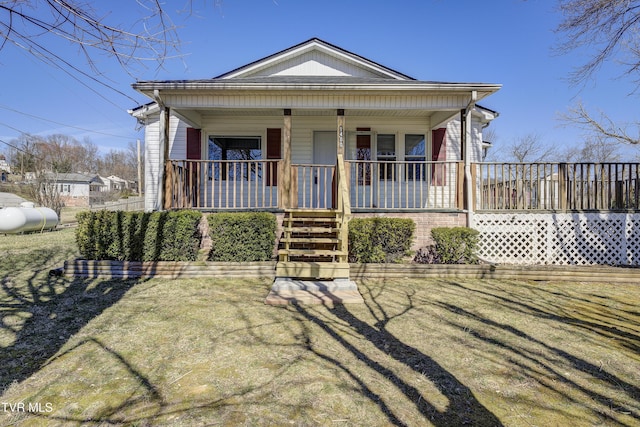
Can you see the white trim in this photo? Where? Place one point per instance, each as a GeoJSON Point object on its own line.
{"type": "Point", "coordinates": [312, 45]}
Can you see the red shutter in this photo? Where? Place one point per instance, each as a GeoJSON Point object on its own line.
{"type": "Point", "coordinates": [192, 175]}
{"type": "Point", "coordinates": [439, 153]}
{"type": "Point", "coordinates": [274, 152]}
{"type": "Point", "coordinates": [194, 151]}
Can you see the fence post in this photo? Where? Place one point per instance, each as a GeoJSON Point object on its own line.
{"type": "Point", "coordinates": [562, 184]}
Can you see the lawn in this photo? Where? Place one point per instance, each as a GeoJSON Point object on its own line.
{"type": "Point", "coordinates": [209, 352]}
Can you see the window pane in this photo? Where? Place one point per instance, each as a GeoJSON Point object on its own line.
{"type": "Point", "coordinates": [235, 149]}
{"type": "Point", "coordinates": [414, 151]}
{"type": "Point", "coordinates": [387, 153]}
{"type": "Point", "coordinates": [414, 146]}
{"type": "Point", "coordinates": [387, 146]}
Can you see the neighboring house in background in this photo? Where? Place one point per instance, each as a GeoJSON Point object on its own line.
{"type": "Point", "coordinates": [77, 189]}
{"type": "Point", "coordinates": [114, 183]}
{"type": "Point", "coordinates": [5, 169]}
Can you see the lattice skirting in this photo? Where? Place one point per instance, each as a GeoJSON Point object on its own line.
{"type": "Point", "coordinates": [564, 239]}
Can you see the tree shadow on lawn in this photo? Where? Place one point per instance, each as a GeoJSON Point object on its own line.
{"type": "Point", "coordinates": [463, 408]}
{"type": "Point", "coordinates": [529, 355]}
{"type": "Point", "coordinates": [42, 312]}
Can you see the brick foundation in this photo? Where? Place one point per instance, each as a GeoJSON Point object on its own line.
{"type": "Point", "coordinates": [425, 221]}
{"type": "Point", "coordinates": [77, 202]}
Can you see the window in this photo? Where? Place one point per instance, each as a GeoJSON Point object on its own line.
{"type": "Point", "coordinates": [414, 151]}
{"type": "Point", "coordinates": [386, 152]}
{"type": "Point", "coordinates": [363, 152]}
{"type": "Point", "coordinates": [236, 154]}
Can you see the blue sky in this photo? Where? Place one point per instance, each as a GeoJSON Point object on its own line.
{"type": "Point", "coordinates": [509, 42]}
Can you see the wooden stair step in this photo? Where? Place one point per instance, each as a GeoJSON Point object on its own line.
{"type": "Point", "coordinates": [310, 240]}
{"type": "Point", "coordinates": [311, 219]}
{"type": "Point", "coordinates": [307, 269]}
{"type": "Point", "coordinates": [311, 211]}
{"type": "Point", "coordinates": [311, 252]}
{"type": "Point", "coordinates": [311, 229]}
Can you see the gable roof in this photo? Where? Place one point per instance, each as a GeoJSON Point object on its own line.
{"type": "Point", "coordinates": [74, 177]}
{"type": "Point", "coordinates": [318, 55]}
{"type": "Point", "coordinates": [311, 65]}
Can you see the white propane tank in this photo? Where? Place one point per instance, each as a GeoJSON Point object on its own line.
{"type": "Point", "coordinates": [19, 220]}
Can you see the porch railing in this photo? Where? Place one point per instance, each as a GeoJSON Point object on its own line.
{"type": "Point", "coordinates": [224, 184]}
{"type": "Point", "coordinates": [557, 186]}
{"type": "Point", "coordinates": [404, 185]}
{"type": "Point", "coordinates": [386, 185]}
{"type": "Point", "coordinates": [312, 186]}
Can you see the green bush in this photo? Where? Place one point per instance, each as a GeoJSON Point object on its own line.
{"type": "Point", "coordinates": [455, 245]}
{"type": "Point", "coordinates": [383, 240]}
{"type": "Point", "coordinates": [242, 237]}
{"type": "Point", "coordinates": [138, 236]}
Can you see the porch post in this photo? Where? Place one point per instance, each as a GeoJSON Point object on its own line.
{"type": "Point", "coordinates": [165, 167]}
{"type": "Point", "coordinates": [341, 132]}
{"type": "Point", "coordinates": [286, 161]}
{"type": "Point", "coordinates": [341, 137]}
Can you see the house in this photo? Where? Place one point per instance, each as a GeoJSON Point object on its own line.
{"type": "Point", "coordinates": [114, 183]}
{"type": "Point", "coordinates": [5, 169]}
{"type": "Point", "coordinates": [77, 189]}
{"type": "Point", "coordinates": [311, 129]}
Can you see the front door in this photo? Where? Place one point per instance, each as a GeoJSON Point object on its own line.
{"type": "Point", "coordinates": [325, 149]}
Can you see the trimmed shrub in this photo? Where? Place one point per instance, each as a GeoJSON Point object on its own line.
{"type": "Point", "coordinates": [380, 240]}
{"type": "Point", "coordinates": [456, 245]}
{"type": "Point", "coordinates": [138, 236]}
{"type": "Point", "coordinates": [171, 236]}
{"type": "Point", "coordinates": [242, 237]}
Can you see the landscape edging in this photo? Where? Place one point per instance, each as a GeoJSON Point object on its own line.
{"type": "Point", "coordinates": [211, 269]}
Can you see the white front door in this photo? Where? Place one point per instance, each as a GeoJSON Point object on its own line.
{"type": "Point", "coordinates": [325, 149]}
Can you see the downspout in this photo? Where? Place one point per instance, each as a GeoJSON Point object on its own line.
{"type": "Point", "coordinates": [467, 158]}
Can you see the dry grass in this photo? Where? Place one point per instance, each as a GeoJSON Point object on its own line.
{"type": "Point", "coordinates": [209, 352]}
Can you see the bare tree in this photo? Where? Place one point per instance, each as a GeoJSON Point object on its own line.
{"type": "Point", "coordinates": [594, 149]}
{"type": "Point", "coordinates": [528, 148]}
{"type": "Point", "coordinates": [601, 127]}
{"type": "Point", "coordinates": [609, 28]}
{"type": "Point", "coordinates": [44, 191]}
{"type": "Point", "coordinates": [37, 25]}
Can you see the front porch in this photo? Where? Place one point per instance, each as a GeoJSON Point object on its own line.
{"type": "Point", "coordinates": [236, 185]}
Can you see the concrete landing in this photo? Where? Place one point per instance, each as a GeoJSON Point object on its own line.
{"type": "Point", "coordinates": [290, 291]}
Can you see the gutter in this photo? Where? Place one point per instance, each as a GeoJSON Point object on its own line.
{"type": "Point", "coordinates": [229, 85]}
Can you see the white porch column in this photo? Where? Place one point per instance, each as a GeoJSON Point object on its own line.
{"type": "Point", "coordinates": [341, 137]}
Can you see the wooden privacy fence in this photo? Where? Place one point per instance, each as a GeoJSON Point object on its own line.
{"type": "Point", "coordinates": [557, 186]}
